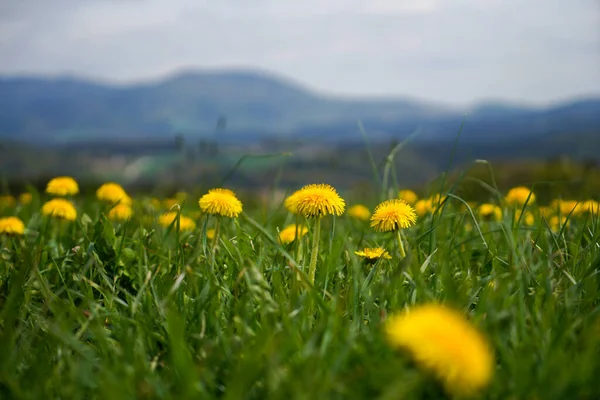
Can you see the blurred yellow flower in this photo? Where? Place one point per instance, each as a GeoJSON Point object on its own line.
{"type": "Point", "coordinates": [318, 200]}
{"type": "Point", "coordinates": [392, 215]}
{"type": "Point", "coordinates": [170, 203]}
{"type": "Point", "coordinates": [490, 212]}
{"type": "Point", "coordinates": [408, 196]}
{"type": "Point", "coordinates": [359, 211]}
{"type": "Point", "coordinates": [435, 202]}
{"type": "Point", "coordinates": [60, 209]}
{"type": "Point", "coordinates": [566, 207]}
{"type": "Point", "coordinates": [185, 223]}
{"type": "Point", "coordinates": [181, 197]}
{"type": "Point", "coordinates": [221, 202]}
{"type": "Point", "coordinates": [11, 226]}
{"type": "Point", "coordinates": [442, 341]}
{"type": "Point", "coordinates": [288, 234]}
{"type": "Point", "coordinates": [527, 218]}
{"type": "Point", "coordinates": [422, 207]}
{"type": "Point", "coordinates": [62, 186]}
{"type": "Point", "coordinates": [120, 212]}
{"type": "Point", "coordinates": [556, 223]}
{"type": "Point", "coordinates": [112, 193]}
{"type": "Point", "coordinates": [591, 207]}
{"type": "Point", "coordinates": [373, 254]}
{"type": "Point", "coordinates": [7, 201]}
{"type": "Point", "coordinates": [519, 195]}
{"type": "Point", "coordinates": [25, 198]}
{"type": "Point", "coordinates": [210, 234]}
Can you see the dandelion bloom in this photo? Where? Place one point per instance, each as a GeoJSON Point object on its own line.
{"type": "Point", "coordinates": [111, 193]}
{"type": "Point", "coordinates": [408, 196]}
{"type": "Point", "coordinates": [168, 218]}
{"type": "Point", "coordinates": [591, 207]}
{"type": "Point", "coordinates": [442, 341]}
{"type": "Point", "coordinates": [210, 234]}
{"type": "Point", "coordinates": [556, 223]}
{"type": "Point", "coordinates": [288, 234]}
{"type": "Point", "coordinates": [359, 211]}
{"type": "Point", "coordinates": [120, 212]}
{"type": "Point", "coordinates": [221, 202]}
{"type": "Point", "coordinates": [435, 202]}
{"type": "Point", "coordinates": [317, 200]}
{"type": "Point", "coordinates": [11, 226]}
{"type": "Point", "coordinates": [518, 196]}
{"type": "Point", "coordinates": [62, 186]}
{"type": "Point", "coordinates": [291, 202]}
{"type": "Point", "coordinates": [490, 212]}
{"type": "Point", "coordinates": [60, 208]}
{"type": "Point", "coordinates": [373, 254]}
{"type": "Point", "coordinates": [526, 218]}
{"type": "Point", "coordinates": [566, 207]}
{"type": "Point", "coordinates": [392, 215]}
{"type": "Point", "coordinates": [7, 201]}
{"type": "Point", "coordinates": [422, 208]}
{"type": "Point", "coordinates": [25, 198]}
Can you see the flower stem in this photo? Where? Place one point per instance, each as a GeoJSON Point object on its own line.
{"type": "Point", "coordinates": [217, 231]}
{"type": "Point", "coordinates": [312, 268]}
{"type": "Point", "coordinates": [400, 245]}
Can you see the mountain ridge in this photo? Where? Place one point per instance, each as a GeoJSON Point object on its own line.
{"type": "Point", "coordinates": [251, 103]}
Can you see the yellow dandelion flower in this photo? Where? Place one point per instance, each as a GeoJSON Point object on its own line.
{"type": "Point", "coordinates": [527, 218]}
{"type": "Point", "coordinates": [120, 212]}
{"type": "Point", "coordinates": [317, 200]}
{"type": "Point", "coordinates": [359, 211]}
{"type": "Point", "coordinates": [590, 207]}
{"type": "Point", "coordinates": [11, 226]}
{"type": "Point", "coordinates": [221, 202]}
{"type": "Point", "coordinates": [422, 207]}
{"type": "Point", "coordinates": [443, 342]}
{"type": "Point", "coordinates": [210, 234]}
{"type": "Point", "coordinates": [291, 202]}
{"type": "Point", "coordinates": [518, 196]}
{"type": "Point", "coordinates": [408, 196]}
{"type": "Point", "coordinates": [435, 202]}
{"type": "Point", "coordinates": [60, 209]}
{"type": "Point", "coordinates": [556, 223]}
{"type": "Point", "coordinates": [62, 186]}
{"type": "Point", "coordinates": [7, 201]}
{"type": "Point", "coordinates": [185, 223]}
{"type": "Point", "coordinates": [111, 193]}
{"type": "Point", "coordinates": [25, 198]}
{"type": "Point", "coordinates": [392, 215]}
{"type": "Point", "coordinates": [288, 234]}
{"type": "Point", "coordinates": [490, 212]}
{"type": "Point", "coordinates": [566, 207]}
{"type": "Point", "coordinates": [373, 254]}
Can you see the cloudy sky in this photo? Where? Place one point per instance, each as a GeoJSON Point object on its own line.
{"type": "Point", "coordinates": [457, 51]}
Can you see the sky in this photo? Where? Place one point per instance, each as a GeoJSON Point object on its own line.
{"type": "Point", "coordinates": [453, 51]}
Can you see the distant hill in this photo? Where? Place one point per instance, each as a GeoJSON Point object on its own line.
{"type": "Point", "coordinates": [247, 105]}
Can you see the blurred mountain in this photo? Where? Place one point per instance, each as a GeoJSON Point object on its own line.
{"type": "Point", "coordinates": [248, 105]}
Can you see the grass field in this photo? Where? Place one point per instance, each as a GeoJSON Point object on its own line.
{"type": "Point", "coordinates": [93, 308]}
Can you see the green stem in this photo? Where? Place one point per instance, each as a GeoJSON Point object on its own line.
{"type": "Point", "coordinates": [312, 268]}
{"type": "Point", "coordinates": [217, 231]}
{"type": "Point", "coordinates": [297, 243]}
{"type": "Point", "coordinates": [400, 245]}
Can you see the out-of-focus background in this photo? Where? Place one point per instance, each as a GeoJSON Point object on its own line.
{"type": "Point", "coordinates": [171, 95]}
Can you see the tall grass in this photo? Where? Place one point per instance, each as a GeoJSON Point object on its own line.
{"type": "Point", "coordinates": [95, 309]}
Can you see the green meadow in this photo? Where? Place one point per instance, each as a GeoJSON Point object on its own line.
{"type": "Point", "coordinates": [139, 308]}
